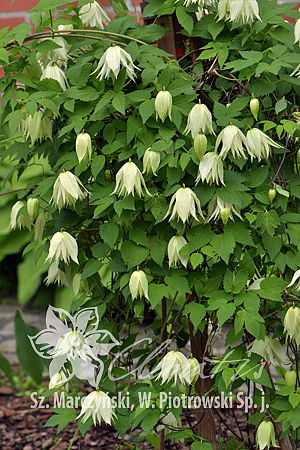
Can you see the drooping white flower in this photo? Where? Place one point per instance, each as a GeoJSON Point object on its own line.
{"type": "Point", "coordinates": [174, 365]}
{"type": "Point", "coordinates": [163, 105]}
{"type": "Point", "coordinates": [265, 435]}
{"type": "Point", "coordinates": [258, 144]}
{"type": "Point", "coordinates": [57, 55]}
{"type": "Point", "coordinates": [254, 284]}
{"type": "Point", "coordinates": [83, 146]}
{"type": "Point", "coordinates": [54, 72]}
{"type": "Point", "coordinates": [36, 127]}
{"type": "Point", "coordinates": [24, 222]}
{"type": "Point", "coordinates": [138, 285]}
{"type": "Point", "coordinates": [151, 161]}
{"type": "Point", "coordinates": [57, 380]}
{"type": "Point", "coordinates": [128, 180]}
{"type": "Point", "coordinates": [292, 324]}
{"type": "Point", "coordinates": [56, 275]}
{"type": "Point", "coordinates": [218, 209]}
{"type": "Point", "coordinates": [111, 62]}
{"type": "Point", "coordinates": [211, 169]}
{"type": "Point", "coordinates": [232, 139]}
{"type": "Point", "coordinates": [199, 120]}
{"type": "Point", "coordinates": [33, 207]}
{"type": "Point", "coordinates": [97, 405]}
{"type": "Point", "coordinates": [73, 345]}
{"type": "Point", "coordinates": [62, 247]}
{"type": "Point", "coordinates": [94, 15]}
{"type": "Point", "coordinates": [238, 10]}
{"type": "Point", "coordinates": [269, 349]}
{"type": "Point", "coordinates": [297, 31]}
{"type": "Point", "coordinates": [14, 213]}
{"type": "Point", "coordinates": [176, 243]}
{"type": "Point", "coordinates": [185, 203]}
{"type": "Point", "coordinates": [66, 190]}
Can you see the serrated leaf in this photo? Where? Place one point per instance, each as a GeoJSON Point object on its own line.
{"type": "Point", "coordinates": [109, 233]}
{"type": "Point", "coordinates": [118, 102]}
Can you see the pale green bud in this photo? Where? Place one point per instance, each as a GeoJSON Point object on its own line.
{"type": "Point", "coordinates": [290, 377]}
{"type": "Point", "coordinates": [272, 194]}
{"type": "Point", "coordinates": [292, 324]}
{"type": "Point", "coordinates": [224, 214]}
{"type": "Point", "coordinates": [265, 435]}
{"type": "Point", "coordinates": [254, 107]}
{"type": "Point", "coordinates": [57, 380]}
{"type": "Point", "coordinates": [33, 207]}
{"type": "Point", "coordinates": [195, 370]}
{"type": "Point", "coordinates": [200, 145]}
{"type": "Point", "coordinates": [163, 105]}
{"type": "Point", "coordinates": [84, 146]}
{"type": "Point", "coordinates": [228, 105]}
{"type": "Point", "coordinates": [151, 161]}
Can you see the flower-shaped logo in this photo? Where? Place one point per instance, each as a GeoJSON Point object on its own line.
{"type": "Point", "coordinates": [74, 344]}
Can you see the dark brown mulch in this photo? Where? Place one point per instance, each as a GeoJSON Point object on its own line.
{"type": "Point", "coordinates": [22, 428]}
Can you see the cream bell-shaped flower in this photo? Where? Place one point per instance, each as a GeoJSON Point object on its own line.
{"type": "Point", "coordinates": [54, 72]}
{"type": "Point", "coordinates": [269, 349]}
{"type": "Point", "coordinates": [94, 15]}
{"type": "Point", "coordinates": [176, 243]}
{"type": "Point", "coordinates": [97, 405]}
{"type": "Point", "coordinates": [163, 105]}
{"type": "Point", "coordinates": [218, 209]}
{"type": "Point", "coordinates": [258, 144]}
{"type": "Point", "coordinates": [297, 31]}
{"type": "Point", "coordinates": [199, 120]}
{"type": "Point", "coordinates": [195, 370]}
{"type": "Point", "coordinates": [174, 366]}
{"type": "Point", "coordinates": [232, 139]}
{"type": "Point", "coordinates": [211, 169]}
{"type": "Point", "coordinates": [292, 324]}
{"type": "Point", "coordinates": [111, 62]}
{"type": "Point", "coordinates": [138, 285]}
{"type": "Point", "coordinates": [265, 435]}
{"type": "Point", "coordinates": [151, 161]}
{"type": "Point", "coordinates": [63, 247]}
{"type": "Point", "coordinates": [57, 380]}
{"type": "Point", "coordinates": [128, 180]}
{"type": "Point", "coordinates": [20, 204]}
{"type": "Point", "coordinates": [36, 127]}
{"type": "Point", "coordinates": [56, 275]}
{"type": "Point", "coordinates": [184, 203]}
{"type": "Point", "coordinates": [83, 146]}
{"type": "Point", "coordinates": [66, 190]}
{"type": "Point", "coordinates": [238, 10]}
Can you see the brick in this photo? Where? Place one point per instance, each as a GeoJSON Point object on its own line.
{"type": "Point", "coordinates": [11, 21]}
{"type": "Point", "coordinates": [18, 5]}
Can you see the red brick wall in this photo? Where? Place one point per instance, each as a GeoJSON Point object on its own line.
{"type": "Point", "coordinates": [13, 14]}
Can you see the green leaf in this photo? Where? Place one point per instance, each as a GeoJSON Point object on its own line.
{"type": "Point", "coordinates": [197, 313]}
{"type": "Point", "coordinates": [146, 109]}
{"type": "Point", "coordinates": [225, 312]}
{"type": "Point", "coordinates": [156, 292]}
{"type": "Point", "coordinates": [178, 283]}
{"type": "Point", "coordinates": [150, 420]}
{"type": "Point", "coordinates": [26, 270]}
{"type": "Point", "coordinates": [109, 233]}
{"type": "Point", "coordinates": [133, 254]}
{"type": "Point", "coordinates": [63, 417]}
{"type": "Point", "coordinates": [158, 251]}
{"type": "Point", "coordinates": [196, 259]}
{"type": "Point", "coordinates": [271, 288]}
{"type": "Point", "coordinates": [280, 105]}
{"type": "Point", "coordinates": [201, 446]}
{"type": "Point", "coordinates": [29, 360]}
{"type": "Point", "coordinates": [5, 366]}
{"type": "Point", "coordinates": [97, 165]}
{"type": "Point", "coordinates": [185, 19]}
{"type": "Point", "coordinates": [4, 55]}
{"type": "Point", "coordinates": [118, 102]}
{"type": "Point", "coordinates": [223, 245]}
{"type": "Point", "coordinates": [20, 32]}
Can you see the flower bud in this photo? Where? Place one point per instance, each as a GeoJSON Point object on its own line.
{"type": "Point", "coordinates": [292, 324]}
{"type": "Point", "coordinates": [224, 214]}
{"type": "Point", "coordinates": [290, 377]}
{"type": "Point", "coordinates": [57, 380]}
{"type": "Point", "coordinates": [200, 145]}
{"type": "Point", "coordinates": [228, 105]}
{"type": "Point", "coordinates": [195, 370]}
{"type": "Point", "coordinates": [265, 435]}
{"type": "Point", "coordinates": [163, 105]}
{"type": "Point", "coordinates": [272, 194]}
{"type": "Point", "coordinates": [107, 175]}
{"type": "Point", "coordinates": [254, 107]}
{"type": "Point", "coordinates": [138, 284]}
{"type": "Point", "coordinates": [84, 146]}
{"type": "Point", "coordinates": [298, 157]}
{"type": "Point", "coordinates": [151, 161]}
{"type": "Point", "coordinates": [33, 207]}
